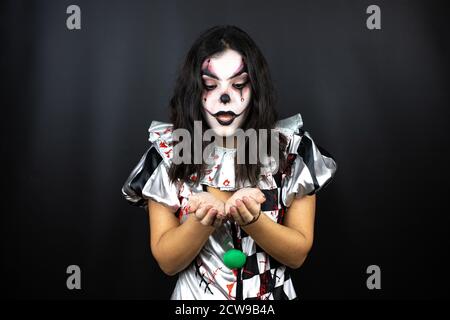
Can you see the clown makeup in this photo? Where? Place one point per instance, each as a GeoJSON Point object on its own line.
{"type": "Point", "coordinates": [226, 94]}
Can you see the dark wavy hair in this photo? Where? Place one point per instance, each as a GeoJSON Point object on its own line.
{"type": "Point", "coordinates": [186, 106]}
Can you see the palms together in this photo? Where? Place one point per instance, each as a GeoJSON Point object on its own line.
{"type": "Point", "coordinates": [212, 211]}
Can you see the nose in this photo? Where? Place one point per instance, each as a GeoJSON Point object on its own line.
{"type": "Point", "coordinates": [225, 98]}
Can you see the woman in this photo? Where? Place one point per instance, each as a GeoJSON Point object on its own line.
{"type": "Point", "coordinates": [200, 211]}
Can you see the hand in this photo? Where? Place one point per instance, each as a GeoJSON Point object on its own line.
{"type": "Point", "coordinates": [245, 205]}
{"type": "Point", "coordinates": [254, 193]}
{"type": "Point", "coordinates": [207, 209]}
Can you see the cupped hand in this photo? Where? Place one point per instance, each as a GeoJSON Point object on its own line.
{"type": "Point", "coordinates": [207, 208]}
{"type": "Point", "coordinates": [253, 193]}
{"type": "Point", "coordinates": [246, 210]}
{"type": "Point", "coordinates": [245, 205]}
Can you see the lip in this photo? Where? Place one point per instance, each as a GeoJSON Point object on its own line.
{"type": "Point", "coordinates": [225, 119]}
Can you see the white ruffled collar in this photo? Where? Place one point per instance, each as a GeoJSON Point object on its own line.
{"type": "Point", "coordinates": [220, 173]}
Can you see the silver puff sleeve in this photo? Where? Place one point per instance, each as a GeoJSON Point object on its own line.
{"type": "Point", "coordinates": [150, 180]}
{"type": "Point", "coordinates": [312, 167]}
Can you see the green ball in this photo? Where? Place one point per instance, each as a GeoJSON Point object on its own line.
{"type": "Point", "coordinates": [234, 258]}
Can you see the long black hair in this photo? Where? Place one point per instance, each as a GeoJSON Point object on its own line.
{"type": "Point", "coordinates": [186, 106]}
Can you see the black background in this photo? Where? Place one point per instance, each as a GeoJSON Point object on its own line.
{"type": "Point", "coordinates": [77, 105]}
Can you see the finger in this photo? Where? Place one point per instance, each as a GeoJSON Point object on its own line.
{"type": "Point", "coordinates": [260, 198]}
{"type": "Point", "coordinates": [226, 216]}
{"type": "Point", "coordinates": [221, 213]}
{"type": "Point", "coordinates": [228, 205]}
{"type": "Point", "coordinates": [201, 212]}
{"type": "Point", "coordinates": [246, 216]}
{"type": "Point", "coordinates": [252, 205]}
{"type": "Point", "coordinates": [220, 207]}
{"type": "Point", "coordinates": [218, 222]}
{"type": "Point", "coordinates": [236, 216]}
{"type": "Point", "coordinates": [193, 204]}
{"type": "Point", "coordinates": [209, 218]}
{"type": "Point", "coordinates": [257, 194]}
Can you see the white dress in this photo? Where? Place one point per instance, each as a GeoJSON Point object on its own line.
{"type": "Point", "coordinates": [262, 277]}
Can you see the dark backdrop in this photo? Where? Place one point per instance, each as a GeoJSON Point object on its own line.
{"type": "Point", "coordinates": [77, 105]}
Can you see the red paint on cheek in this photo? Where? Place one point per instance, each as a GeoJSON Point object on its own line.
{"type": "Point", "coordinates": [246, 91]}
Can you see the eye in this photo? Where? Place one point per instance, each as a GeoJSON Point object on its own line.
{"type": "Point", "coordinates": [210, 87]}
{"type": "Point", "coordinates": [240, 85]}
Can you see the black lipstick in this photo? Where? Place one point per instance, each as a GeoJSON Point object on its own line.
{"type": "Point", "coordinates": [224, 118]}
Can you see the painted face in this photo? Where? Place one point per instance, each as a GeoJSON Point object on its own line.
{"type": "Point", "coordinates": [226, 93]}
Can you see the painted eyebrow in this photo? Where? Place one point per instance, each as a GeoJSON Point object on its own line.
{"type": "Point", "coordinates": [208, 73]}
{"type": "Point", "coordinates": [238, 73]}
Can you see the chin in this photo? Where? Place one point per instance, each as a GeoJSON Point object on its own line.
{"type": "Point", "coordinates": [224, 131]}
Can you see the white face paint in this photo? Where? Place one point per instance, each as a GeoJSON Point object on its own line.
{"type": "Point", "coordinates": [227, 92]}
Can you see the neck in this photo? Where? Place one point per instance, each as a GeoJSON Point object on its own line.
{"type": "Point", "coordinates": [227, 142]}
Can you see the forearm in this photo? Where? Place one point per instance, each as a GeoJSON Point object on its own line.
{"type": "Point", "coordinates": [290, 247]}
{"type": "Point", "coordinates": [179, 246]}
